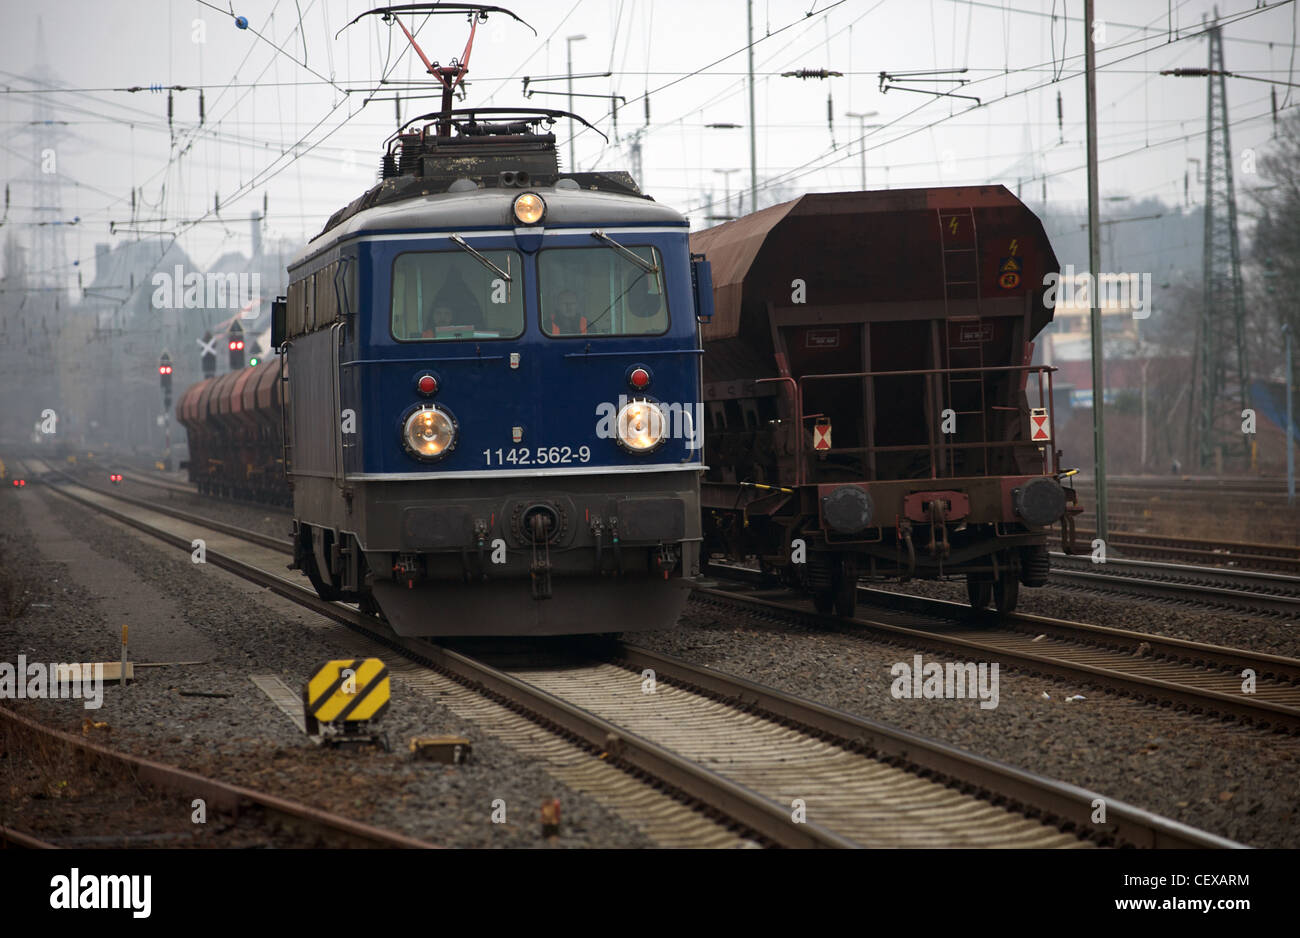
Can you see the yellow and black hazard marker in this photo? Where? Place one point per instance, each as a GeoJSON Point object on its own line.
{"type": "Point", "coordinates": [347, 695]}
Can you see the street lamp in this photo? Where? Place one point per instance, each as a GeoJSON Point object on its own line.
{"type": "Point", "coordinates": [862, 132]}
{"type": "Point", "coordinates": [568, 46]}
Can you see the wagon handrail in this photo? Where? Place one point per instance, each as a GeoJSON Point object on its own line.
{"type": "Point", "coordinates": [926, 371]}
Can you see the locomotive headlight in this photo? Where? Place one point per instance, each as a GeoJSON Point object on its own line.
{"type": "Point", "coordinates": [429, 432]}
{"type": "Point", "coordinates": [529, 208]}
{"type": "Point", "coordinates": [642, 426]}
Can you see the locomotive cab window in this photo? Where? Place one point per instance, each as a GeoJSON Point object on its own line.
{"type": "Point", "coordinates": [448, 295]}
{"type": "Point", "coordinates": [598, 291]}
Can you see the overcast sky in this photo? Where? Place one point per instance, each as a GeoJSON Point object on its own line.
{"type": "Point", "coordinates": [264, 97]}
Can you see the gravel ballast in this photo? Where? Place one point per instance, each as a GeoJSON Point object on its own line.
{"type": "Point", "coordinates": [238, 734]}
{"type": "Point", "coordinates": [1231, 780]}
{"type": "Point", "coordinates": [1225, 778]}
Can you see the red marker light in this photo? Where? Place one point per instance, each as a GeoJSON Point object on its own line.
{"type": "Point", "coordinates": [639, 378]}
{"type": "Point", "coordinates": [427, 384]}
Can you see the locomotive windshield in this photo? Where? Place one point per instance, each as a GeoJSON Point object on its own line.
{"type": "Point", "coordinates": [597, 291]}
{"type": "Point", "coordinates": [440, 295]}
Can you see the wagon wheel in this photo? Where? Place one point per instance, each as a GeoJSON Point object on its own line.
{"type": "Point", "coordinates": [979, 591]}
{"type": "Point", "coordinates": [1006, 592]}
{"type": "Point", "coordinates": [846, 589]}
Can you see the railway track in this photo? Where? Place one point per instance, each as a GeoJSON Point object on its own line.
{"type": "Point", "coordinates": [1277, 529]}
{"type": "Point", "coordinates": [1146, 485]}
{"type": "Point", "coordinates": [1279, 558]}
{"type": "Point", "coordinates": [166, 485]}
{"type": "Point", "coordinates": [1249, 591]}
{"type": "Point", "coordinates": [749, 757]}
{"type": "Point", "coordinates": [1193, 676]}
{"type": "Point", "coordinates": [304, 825]}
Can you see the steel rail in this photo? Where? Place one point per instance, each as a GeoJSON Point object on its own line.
{"type": "Point", "coordinates": [1265, 713]}
{"type": "Point", "coordinates": [232, 798]}
{"type": "Point", "coordinates": [1036, 795]}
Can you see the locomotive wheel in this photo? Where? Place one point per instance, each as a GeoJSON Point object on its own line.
{"type": "Point", "coordinates": [1006, 593]}
{"type": "Point", "coordinates": [824, 601]}
{"type": "Point", "coordinates": [979, 591]}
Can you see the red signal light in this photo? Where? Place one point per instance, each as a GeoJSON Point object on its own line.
{"type": "Point", "coordinates": [19, 483]}
{"type": "Point", "coordinates": [236, 345]}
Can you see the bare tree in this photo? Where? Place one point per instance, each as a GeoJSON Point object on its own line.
{"type": "Point", "coordinates": [1273, 277]}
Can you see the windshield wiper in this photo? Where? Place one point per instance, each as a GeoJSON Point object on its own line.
{"type": "Point", "coordinates": [464, 246]}
{"type": "Point", "coordinates": [634, 257]}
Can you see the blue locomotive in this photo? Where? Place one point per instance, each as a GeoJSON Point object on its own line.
{"type": "Point", "coordinates": [493, 418]}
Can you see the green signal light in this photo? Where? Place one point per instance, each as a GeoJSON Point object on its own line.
{"type": "Point", "coordinates": [252, 362]}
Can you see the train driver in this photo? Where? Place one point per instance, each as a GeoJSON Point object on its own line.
{"type": "Point", "coordinates": [566, 319]}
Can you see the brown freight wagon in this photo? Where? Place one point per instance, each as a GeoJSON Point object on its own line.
{"type": "Point", "coordinates": [233, 425]}
{"type": "Point", "coordinates": [868, 392]}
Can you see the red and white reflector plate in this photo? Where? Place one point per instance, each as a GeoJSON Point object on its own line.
{"type": "Point", "coordinates": [1040, 431]}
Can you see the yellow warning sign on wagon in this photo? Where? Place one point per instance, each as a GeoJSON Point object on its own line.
{"type": "Point", "coordinates": [348, 691]}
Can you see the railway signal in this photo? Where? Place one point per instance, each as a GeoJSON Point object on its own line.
{"type": "Point", "coordinates": [209, 356]}
{"type": "Point", "coordinates": [235, 337]}
{"type": "Point", "coordinates": [165, 378]}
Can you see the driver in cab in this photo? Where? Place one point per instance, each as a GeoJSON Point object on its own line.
{"type": "Point", "coordinates": [566, 318]}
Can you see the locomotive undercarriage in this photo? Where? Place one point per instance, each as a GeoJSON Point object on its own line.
{"type": "Point", "coordinates": [562, 556]}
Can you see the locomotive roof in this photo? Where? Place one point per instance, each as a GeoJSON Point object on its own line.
{"type": "Point", "coordinates": [566, 206]}
{"type": "Point", "coordinates": [865, 248]}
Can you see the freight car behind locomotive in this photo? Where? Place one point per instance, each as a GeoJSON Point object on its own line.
{"type": "Point", "coordinates": [233, 427]}
{"type": "Point", "coordinates": [868, 389]}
